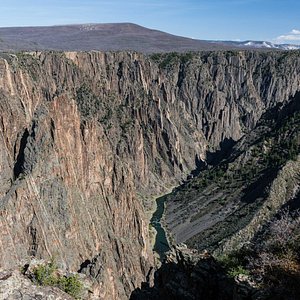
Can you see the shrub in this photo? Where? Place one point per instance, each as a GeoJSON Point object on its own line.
{"type": "Point", "coordinates": [44, 274]}
{"type": "Point", "coordinates": [47, 275]}
{"type": "Point", "coordinates": [71, 285]}
{"type": "Point", "coordinates": [284, 235]}
{"type": "Point", "coordinates": [277, 259]}
{"type": "Point", "coordinates": [234, 263]}
{"type": "Point", "coordinates": [235, 271]}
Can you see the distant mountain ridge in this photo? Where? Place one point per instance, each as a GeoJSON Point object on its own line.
{"type": "Point", "coordinates": [265, 45]}
{"type": "Point", "coordinates": [113, 37]}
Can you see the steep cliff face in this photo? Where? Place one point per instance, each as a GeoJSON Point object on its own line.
{"type": "Point", "coordinates": [85, 137]}
{"type": "Point", "coordinates": [225, 207]}
{"type": "Point", "coordinates": [64, 191]}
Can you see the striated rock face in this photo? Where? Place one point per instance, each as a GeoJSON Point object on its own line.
{"type": "Point", "coordinates": [229, 203]}
{"type": "Point", "coordinates": [64, 191]}
{"type": "Point", "coordinates": [86, 138]}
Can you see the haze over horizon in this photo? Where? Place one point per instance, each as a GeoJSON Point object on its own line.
{"type": "Point", "coordinates": [267, 20]}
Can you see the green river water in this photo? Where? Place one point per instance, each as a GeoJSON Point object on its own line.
{"type": "Point", "coordinates": [161, 245]}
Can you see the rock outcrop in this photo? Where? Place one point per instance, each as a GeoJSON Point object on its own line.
{"type": "Point", "coordinates": [87, 138]}
{"type": "Point", "coordinates": [14, 285]}
{"type": "Point", "coordinates": [189, 275]}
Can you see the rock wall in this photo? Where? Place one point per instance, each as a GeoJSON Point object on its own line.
{"type": "Point", "coordinates": [226, 205]}
{"type": "Point", "coordinates": [85, 137]}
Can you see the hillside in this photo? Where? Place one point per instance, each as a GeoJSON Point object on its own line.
{"type": "Point", "coordinates": [104, 37]}
{"type": "Point", "coordinates": [114, 37]}
{"type": "Point", "coordinates": [222, 208]}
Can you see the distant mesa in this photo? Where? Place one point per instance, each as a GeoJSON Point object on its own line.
{"type": "Point", "coordinates": [113, 37]}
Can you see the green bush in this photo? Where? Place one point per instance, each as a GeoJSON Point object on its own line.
{"type": "Point", "coordinates": [47, 275]}
{"type": "Point", "coordinates": [235, 271]}
{"type": "Point", "coordinates": [234, 263]}
{"type": "Point", "coordinates": [44, 274]}
{"type": "Point", "coordinates": [71, 285]}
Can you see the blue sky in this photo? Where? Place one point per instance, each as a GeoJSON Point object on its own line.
{"type": "Point", "coordinates": [272, 20]}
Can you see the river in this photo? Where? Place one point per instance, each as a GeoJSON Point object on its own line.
{"type": "Point", "coordinates": [161, 245]}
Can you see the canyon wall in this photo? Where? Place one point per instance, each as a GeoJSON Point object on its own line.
{"type": "Point", "coordinates": [87, 139]}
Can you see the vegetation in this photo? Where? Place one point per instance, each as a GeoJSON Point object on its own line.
{"type": "Point", "coordinates": [273, 257]}
{"type": "Point", "coordinates": [277, 251]}
{"type": "Point", "coordinates": [87, 102]}
{"type": "Point", "coordinates": [234, 263]}
{"type": "Point", "coordinates": [235, 188]}
{"type": "Point", "coordinates": [47, 275]}
{"type": "Point", "coordinates": [44, 274]}
{"type": "Point", "coordinates": [105, 112]}
{"type": "Point", "coordinates": [272, 150]}
{"type": "Point", "coordinates": [167, 60]}
{"type": "Point", "coordinates": [29, 63]}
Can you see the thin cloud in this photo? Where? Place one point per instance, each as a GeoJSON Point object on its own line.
{"type": "Point", "coordinates": [295, 31]}
{"type": "Point", "coordinates": [293, 35]}
{"type": "Point", "coordinates": [288, 37]}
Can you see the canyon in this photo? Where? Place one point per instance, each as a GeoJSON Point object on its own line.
{"type": "Point", "coordinates": [90, 139]}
